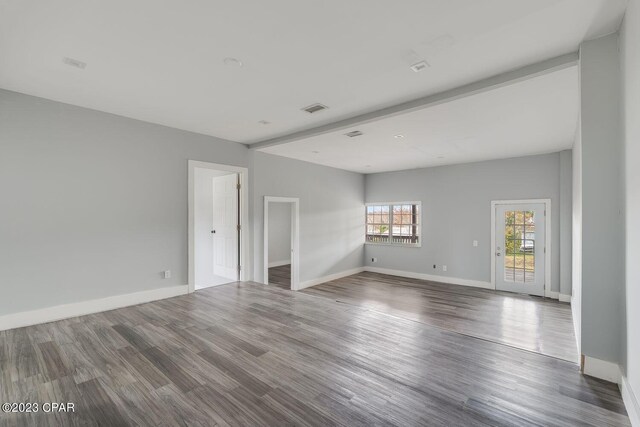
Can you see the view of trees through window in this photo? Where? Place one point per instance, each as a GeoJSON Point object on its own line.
{"type": "Point", "coordinates": [519, 242]}
{"type": "Point", "coordinates": [393, 223]}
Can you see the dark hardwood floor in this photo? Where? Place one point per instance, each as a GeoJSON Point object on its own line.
{"type": "Point", "coordinates": [537, 324]}
{"type": "Point", "coordinates": [250, 354]}
{"type": "Point", "coordinates": [280, 276]}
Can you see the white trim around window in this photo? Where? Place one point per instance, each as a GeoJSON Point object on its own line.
{"type": "Point", "coordinates": [418, 224]}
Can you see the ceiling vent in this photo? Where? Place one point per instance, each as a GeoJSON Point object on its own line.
{"type": "Point", "coordinates": [419, 66]}
{"type": "Point", "coordinates": [314, 108]}
{"type": "Point", "coordinates": [353, 133]}
{"type": "Point", "coordinates": [74, 63]}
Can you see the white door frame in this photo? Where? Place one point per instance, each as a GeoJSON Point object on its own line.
{"type": "Point", "coordinates": [547, 233]}
{"type": "Point", "coordinates": [245, 232]}
{"type": "Point", "coordinates": [295, 239]}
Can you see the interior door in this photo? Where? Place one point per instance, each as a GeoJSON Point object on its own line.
{"type": "Point", "coordinates": [520, 248]}
{"type": "Point", "coordinates": [225, 226]}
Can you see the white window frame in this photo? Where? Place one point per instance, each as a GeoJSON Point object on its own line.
{"type": "Point", "coordinates": [391, 204]}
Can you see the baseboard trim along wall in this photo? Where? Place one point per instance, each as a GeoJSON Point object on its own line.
{"type": "Point", "coordinates": [430, 277]}
{"type": "Point", "coordinates": [557, 295]}
{"type": "Point", "coordinates": [630, 402]}
{"type": "Point", "coordinates": [551, 294]}
{"type": "Point", "coordinates": [610, 371]}
{"type": "Point", "coordinates": [279, 263]}
{"type": "Point", "coordinates": [330, 277]}
{"type": "Point", "coordinates": [65, 311]}
{"type": "Point", "coordinates": [602, 369]}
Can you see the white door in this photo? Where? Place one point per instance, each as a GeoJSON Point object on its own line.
{"type": "Point", "coordinates": [225, 226]}
{"type": "Point", "coordinates": [520, 248]}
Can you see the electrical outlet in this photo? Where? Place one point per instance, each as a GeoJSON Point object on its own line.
{"type": "Point", "coordinates": [374, 259]}
{"type": "Point", "coordinates": [475, 243]}
{"type": "Point", "coordinates": [444, 268]}
{"type": "Point", "coordinates": [167, 274]}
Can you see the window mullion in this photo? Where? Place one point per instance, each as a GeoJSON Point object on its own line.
{"type": "Point", "coordinates": [391, 224]}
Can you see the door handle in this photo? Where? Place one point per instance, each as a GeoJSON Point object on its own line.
{"type": "Point", "coordinates": [497, 253]}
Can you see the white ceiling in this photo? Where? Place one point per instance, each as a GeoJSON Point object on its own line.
{"type": "Point", "coordinates": [534, 116]}
{"type": "Point", "coordinates": [162, 60]}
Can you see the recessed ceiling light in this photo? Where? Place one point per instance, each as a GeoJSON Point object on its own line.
{"type": "Point", "coordinates": [398, 136]}
{"type": "Point", "coordinates": [264, 122]}
{"type": "Point", "coordinates": [443, 41]}
{"type": "Point", "coordinates": [74, 63]}
{"type": "Point", "coordinates": [419, 66]}
{"type": "Point", "coordinates": [233, 62]}
{"type": "Point", "coordinates": [315, 152]}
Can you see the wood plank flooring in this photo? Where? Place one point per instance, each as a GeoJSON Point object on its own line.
{"type": "Point", "coordinates": [537, 324]}
{"type": "Point", "coordinates": [250, 354]}
{"type": "Point", "coordinates": [280, 276]}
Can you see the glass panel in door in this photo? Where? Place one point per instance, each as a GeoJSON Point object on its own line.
{"type": "Point", "coordinates": [520, 248]}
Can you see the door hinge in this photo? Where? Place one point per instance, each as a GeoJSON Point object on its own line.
{"type": "Point", "coordinates": [238, 186]}
{"type": "Point", "coordinates": [238, 227]}
{"type": "Point", "coordinates": [545, 212]}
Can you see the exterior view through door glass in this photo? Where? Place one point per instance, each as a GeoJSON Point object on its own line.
{"type": "Point", "coordinates": [520, 248]}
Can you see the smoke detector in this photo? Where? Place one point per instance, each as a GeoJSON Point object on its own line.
{"type": "Point", "coordinates": [233, 62]}
{"type": "Point", "coordinates": [314, 108]}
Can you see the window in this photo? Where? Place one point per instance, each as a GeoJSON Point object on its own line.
{"type": "Point", "coordinates": [393, 223]}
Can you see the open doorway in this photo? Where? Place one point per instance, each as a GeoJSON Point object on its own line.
{"type": "Point", "coordinates": [217, 213]}
{"type": "Point", "coordinates": [281, 242]}
{"type": "Point", "coordinates": [280, 245]}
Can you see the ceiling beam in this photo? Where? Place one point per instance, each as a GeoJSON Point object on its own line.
{"type": "Point", "coordinates": [500, 80]}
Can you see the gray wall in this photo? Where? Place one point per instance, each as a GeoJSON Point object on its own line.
{"type": "Point", "coordinates": [630, 348]}
{"type": "Point", "coordinates": [331, 213]}
{"type": "Point", "coordinates": [566, 206]}
{"type": "Point", "coordinates": [93, 204]}
{"type": "Point", "coordinates": [279, 232]}
{"type": "Point", "coordinates": [602, 248]}
{"type": "Point", "coordinates": [456, 206]}
{"type": "Point", "coordinates": [576, 238]}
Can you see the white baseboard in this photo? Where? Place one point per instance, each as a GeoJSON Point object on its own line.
{"type": "Point", "coordinates": [329, 278]}
{"type": "Point", "coordinates": [557, 295]}
{"type": "Point", "coordinates": [551, 294]}
{"type": "Point", "coordinates": [630, 402]}
{"type": "Point", "coordinates": [279, 263]}
{"type": "Point", "coordinates": [602, 369]}
{"type": "Point", "coordinates": [65, 311]}
{"type": "Point", "coordinates": [433, 278]}
{"type": "Point", "coordinates": [575, 315]}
